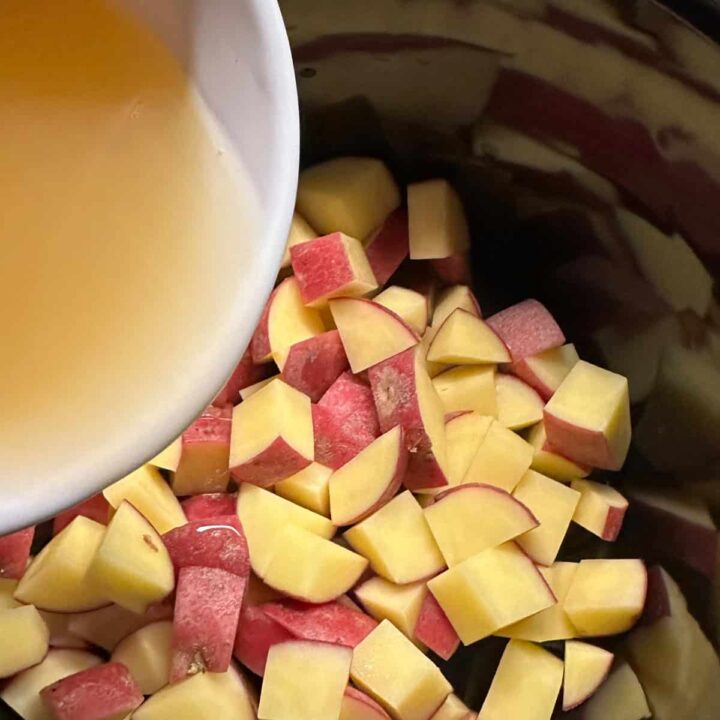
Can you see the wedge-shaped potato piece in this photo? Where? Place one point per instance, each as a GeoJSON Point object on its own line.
{"type": "Point", "coordinates": [351, 194]}
{"type": "Point", "coordinates": [393, 671]}
{"type": "Point", "coordinates": [397, 541]}
{"type": "Point", "coordinates": [553, 504]}
{"type": "Point", "coordinates": [370, 332]}
{"type": "Point", "coordinates": [56, 580]}
{"type": "Point", "coordinates": [468, 387]}
{"type": "Point", "coordinates": [464, 339]}
{"type": "Point", "coordinates": [304, 680]}
{"type": "Point", "coordinates": [25, 638]}
{"type": "Point", "coordinates": [490, 590]}
{"type": "Point", "coordinates": [146, 490]}
{"type": "Point", "coordinates": [400, 604]}
{"type": "Point", "coordinates": [601, 509]}
{"type": "Point", "coordinates": [606, 597]}
{"type": "Point", "coordinates": [438, 228]}
{"type": "Point", "coordinates": [206, 696]}
{"type": "Point", "coordinates": [307, 567]}
{"type": "Point", "coordinates": [526, 684]}
{"type": "Point", "coordinates": [272, 435]}
{"type": "Point", "coordinates": [369, 480]}
{"type": "Point", "coordinates": [331, 266]}
{"type": "Point", "coordinates": [284, 322]}
{"type": "Point", "coordinates": [22, 693]}
{"type": "Point", "coordinates": [586, 667]}
{"type": "Point", "coordinates": [588, 417]}
{"type": "Point", "coordinates": [454, 298]}
{"type": "Point", "coordinates": [471, 518]}
{"type": "Point", "coordinates": [131, 566]}
{"type": "Point", "coordinates": [263, 516]}
{"type": "Point", "coordinates": [553, 622]}
{"type": "Point", "coordinates": [501, 460]}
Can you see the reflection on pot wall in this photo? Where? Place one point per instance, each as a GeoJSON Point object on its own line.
{"type": "Point", "coordinates": [584, 137]}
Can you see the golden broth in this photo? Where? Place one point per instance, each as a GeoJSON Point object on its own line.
{"type": "Point", "coordinates": [121, 228]}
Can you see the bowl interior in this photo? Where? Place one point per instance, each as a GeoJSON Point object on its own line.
{"type": "Point", "coordinates": [238, 57]}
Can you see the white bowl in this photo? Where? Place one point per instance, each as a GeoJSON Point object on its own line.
{"type": "Point", "coordinates": [238, 55]}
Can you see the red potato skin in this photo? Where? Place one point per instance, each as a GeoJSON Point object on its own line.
{"type": "Point", "coordinates": [15, 553]}
{"type": "Point", "coordinates": [335, 442]}
{"type": "Point", "coordinates": [549, 447]}
{"type": "Point", "coordinates": [96, 508]}
{"type": "Point", "coordinates": [389, 246]}
{"type": "Point", "coordinates": [313, 365]}
{"type": "Point", "coordinates": [482, 486]}
{"type": "Point", "coordinates": [613, 523]}
{"type": "Point", "coordinates": [434, 629]}
{"type": "Point", "coordinates": [206, 450]}
{"type": "Point", "coordinates": [527, 328]}
{"type": "Point", "coordinates": [393, 386]}
{"type": "Point", "coordinates": [374, 710]}
{"type": "Point", "coordinates": [587, 447]}
{"type": "Point", "coordinates": [260, 343]}
{"type": "Point", "coordinates": [277, 462]}
{"type": "Point", "coordinates": [393, 486]}
{"type": "Point", "coordinates": [209, 505]}
{"type": "Point", "coordinates": [330, 622]}
{"type": "Point", "coordinates": [207, 611]}
{"type": "Point", "coordinates": [453, 270]}
{"type": "Point", "coordinates": [212, 543]}
{"type": "Point", "coordinates": [256, 634]}
{"type": "Point", "coordinates": [321, 267]}
{"type": "Point", "coordinates": [245, 374]}
{"type": "Point", "coordinates": [351, 401]}
{"type": "Point", "coordinates": [99, 693]}
{"type": "Point", "coordinates": [522, 370]}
